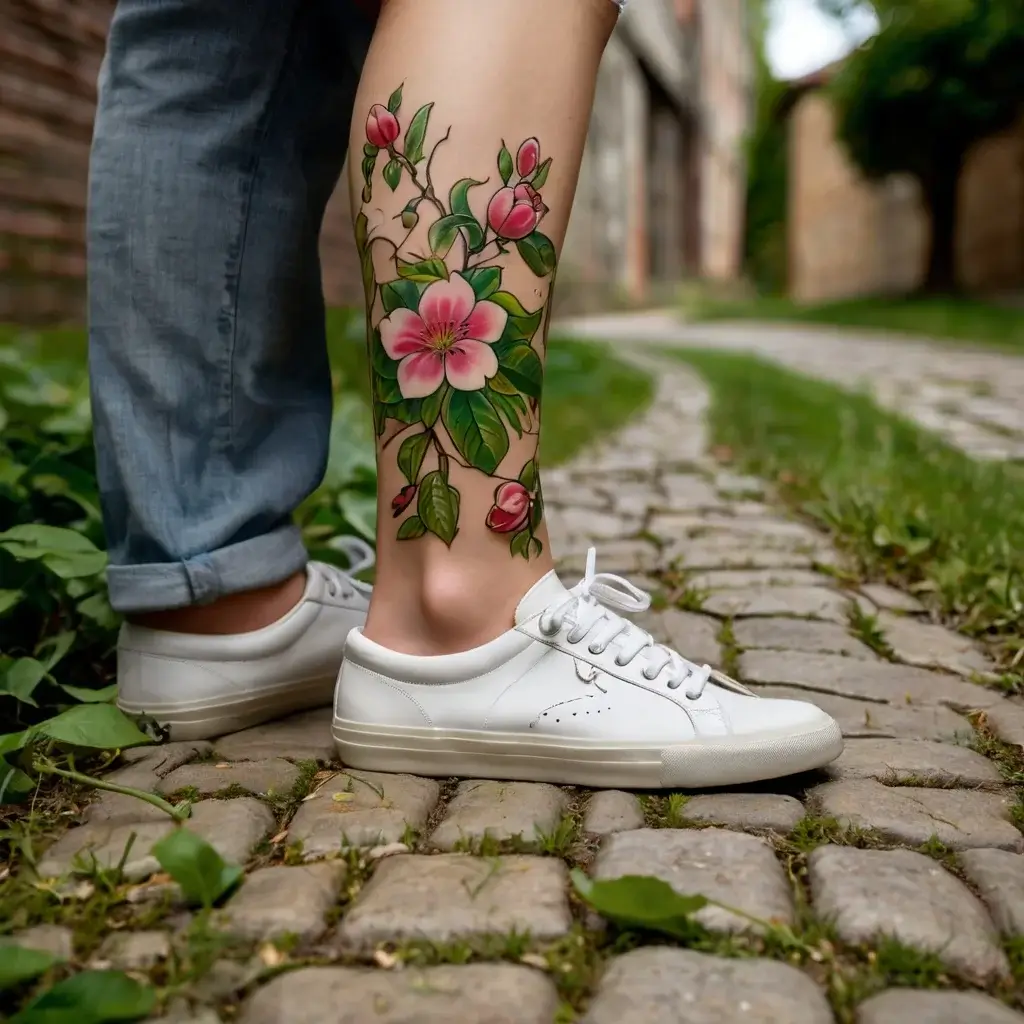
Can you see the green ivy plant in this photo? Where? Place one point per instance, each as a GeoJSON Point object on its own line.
{"type": "Point", "coordinates": [58, 632]}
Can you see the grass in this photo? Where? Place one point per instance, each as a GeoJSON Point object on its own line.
{"type": "Point", "coordinates": [956, 319]}
{"type": "Point", "coordinates": [907, 507]}
{"type": "Point", "coordinates": [580, 379]}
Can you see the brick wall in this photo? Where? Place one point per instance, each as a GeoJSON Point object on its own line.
{"type": "Point", "coordinates": [50, 53]}
{"type": "Point", "coordinates": [849, 237]}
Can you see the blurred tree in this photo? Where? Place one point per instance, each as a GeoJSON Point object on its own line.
{"type": "Point", "coordinates": [939, 76]}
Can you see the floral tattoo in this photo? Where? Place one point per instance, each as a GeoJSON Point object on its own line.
{"type": "Point", "coordinates": [452, 361]}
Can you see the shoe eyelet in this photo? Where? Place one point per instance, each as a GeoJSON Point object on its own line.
{"type": "Point", "coordinates": [595, 649]}
{"type": "Point", "coordinates": [547, 628]}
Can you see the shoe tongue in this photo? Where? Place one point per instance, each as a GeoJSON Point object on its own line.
{"type": "Point", "coordinates": [547, 591]}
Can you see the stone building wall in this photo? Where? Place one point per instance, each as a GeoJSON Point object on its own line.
{"type": "Point", "coordinates": [850, 237]}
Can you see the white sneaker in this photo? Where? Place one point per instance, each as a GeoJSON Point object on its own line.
{"type": "Point", "coordinates": [574, 694]}
{"type": "Point", "coordinates": [203, 686]}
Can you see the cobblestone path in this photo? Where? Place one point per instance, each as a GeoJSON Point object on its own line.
{"type": "Point", "coordinates": [970, 396]}
{"type": "Point", "coordinates": [381, 886]}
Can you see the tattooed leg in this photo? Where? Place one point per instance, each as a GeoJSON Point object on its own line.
{"type": "Point", "coordinates": [471, 120]}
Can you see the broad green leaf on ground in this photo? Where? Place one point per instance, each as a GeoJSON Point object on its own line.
{"type": "Point", "coordinates": [12, 741]}
{"type": "Point", "coordinates": [92, 997]}
{"type": "Point", "coordinates": [87, 696]}
{"type": "Point", "coordinates": [53, 648]}
{"type": "Point", "coordinates": [197, 867]}
{"type": "Point", "coordinates": [96, 607]}
{"type": "Point", "coordinates": [15, 786]}
{"type": "Point", "coordinates": [640, 901]}
{"type": "Point", "coordinates": [64, 552]}
{"type": "Point", "coordinates": [8, 600]}
{"type": "Point", "coordinates": [19, 677]}
{"type": "Point", "coordinates": [97, 726]}
{"type": "Point", "coordinates": [475, 429]}
{"type": "Point", "coordinates": [18, 964]}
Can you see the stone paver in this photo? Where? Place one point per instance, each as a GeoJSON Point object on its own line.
{"type": "Point", "coordinates": [737, 579]}
{"type": "Point", "coordinates": [501, 810]}
{"type": "Point", "coordinates": [453, 896]}
{"type": "Point", "coordinates": [745, 811]}
{"type": "Point", "coordinates": [302, 737]}
{"type": "Point", "coordinates": [737, 869]}
{"type": "Point", "coordinates": [1006, 720]}
{"type": "Point", "coordinates": [232, 827]}
{"type": "Point", "coordinates": [916, 1006]}
{"type": "Point", "coordinates": [48, 938]}
{"type": "Point", "coordinates": [726, 552]}
{"type": "Point", "coordinates": [469, 994]}
{"type": "Point", "coordinates": [120, 807]}
{"type": "Point", "coordinates": [687, 492]}
{"type": "Point", "coordinates": [999, 878]}
{"type": "Point", "coordinates": [693, 636]}
{"type": "Point", "coordinates": [931, 646]}
{"type": "Point", "coordinates": [273, 776]}
{"type": "Point", "coordinates": [798, 602]}
{"type": "Point", "coordinates": [864, 718]}
{"type": "Point", "coordinates": [280, 900]}
{"type": "Point", "coordinates": [851, 677]}
{"type": "Point", "coordinates": [891, 599]}
{"type": "Point", "coordinates": [961, 819]}
{"type": "Point", "coordinates": [912, 761]}
{"type": "Point", "coordinates": [870, 894]}
{"type": "Point", "coordinates": [665, 986]}
{"type": "Point", "coordinates": [132, 951]}
{"type": "Point", "coordinates": [362, 809]}
{"type": "Point", "coordinates": [610, 811]}
{"type": "Point", "coordinates": [800, 635]}
{"type": "Point", "coordinates": [165, 757]}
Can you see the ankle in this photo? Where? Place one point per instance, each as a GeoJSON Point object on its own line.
{"type": "Point", "coordinates": [446, 608]}
{"type": "Point", "coordinates": [234, 613]}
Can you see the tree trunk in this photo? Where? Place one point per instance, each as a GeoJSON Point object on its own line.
{"type": "Point", "coordinates": [941, 190]}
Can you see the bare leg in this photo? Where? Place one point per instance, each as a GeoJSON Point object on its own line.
{"type": "Point", "coordinates": [472, 119]}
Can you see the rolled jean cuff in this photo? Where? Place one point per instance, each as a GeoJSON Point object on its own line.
{"type": "Point", "coordinates": [247, 565]}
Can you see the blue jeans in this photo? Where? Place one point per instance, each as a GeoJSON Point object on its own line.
{"type": "Point", "coordinates": [221, 132]}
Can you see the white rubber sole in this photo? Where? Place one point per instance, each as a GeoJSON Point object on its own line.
{"type": "Point", "coordinates": [218, 716]}
{"type": "Point", "coordinates": [714, 761]}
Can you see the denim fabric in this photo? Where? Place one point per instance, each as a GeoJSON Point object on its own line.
{"type": "Point", "coordinates": [221, 132]}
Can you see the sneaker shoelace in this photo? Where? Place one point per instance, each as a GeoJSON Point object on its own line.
{"type": "Point", "coordinates": [360, 556]}
{"type": "Point", "coordinates": [591, 608]}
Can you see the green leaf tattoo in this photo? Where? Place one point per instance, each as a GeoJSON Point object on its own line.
{"type": "Point", "coordinates": [455, 376]}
